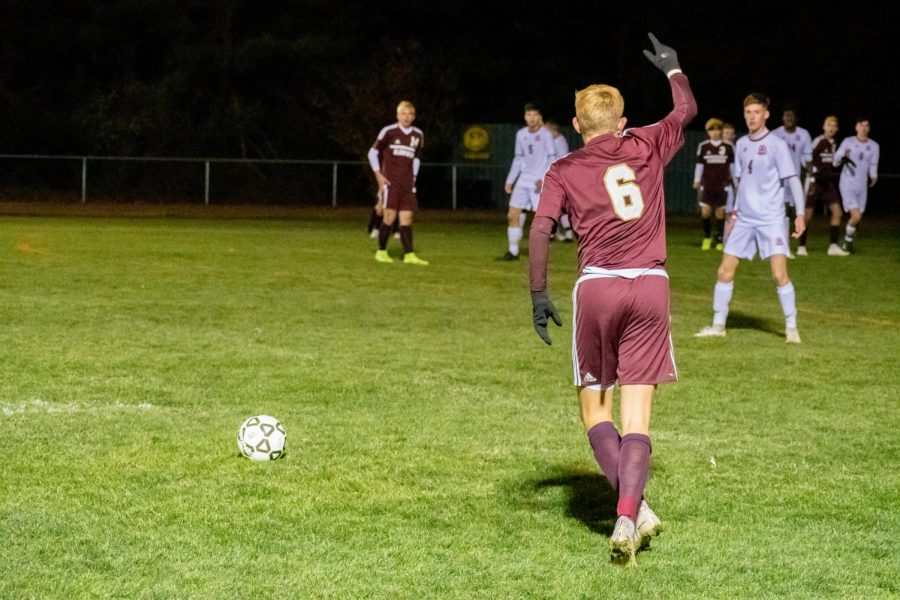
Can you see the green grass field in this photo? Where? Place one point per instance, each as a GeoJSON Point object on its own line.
{"type": "Point", "coordinates": [434, 444]}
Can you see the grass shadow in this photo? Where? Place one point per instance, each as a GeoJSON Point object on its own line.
{"type": "Point", "coordinates": [589, 498]}
{"type": "Point", "coordinates": [737, 320]}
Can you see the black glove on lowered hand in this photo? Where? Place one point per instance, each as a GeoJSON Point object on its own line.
{"type": "Point", "coordinates": [664, 57]}
{"type": "Point", "coordinates": [541, 309]}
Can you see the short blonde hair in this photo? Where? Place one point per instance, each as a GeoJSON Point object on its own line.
{"type": "Point", "coordinates": [406, 104]}
{"type": "Point", "coordinates": [713, 124]}
{"type": "Point", "coordinates": [598, 109]}
{"type": "Point", "coordinates": [757, 98]}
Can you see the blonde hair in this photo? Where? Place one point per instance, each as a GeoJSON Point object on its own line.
{"type": "Point", "coordinates": [714, 123]}
{"type": "Point", "coordinates": [757, 98]}
{"type": "Point", "coordinates": [832, 118]}
{"type": "Point", "coordinates": [406, 104]}
{"type": "Point", "coordinates": [598, 109]}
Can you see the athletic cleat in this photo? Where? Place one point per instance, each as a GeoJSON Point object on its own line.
{"type": "Point", "coordinates": [624, 542]}
{"type": "Point", "coordinates": [382, 256]}
{"type": "Point", "coordinates": [835, 250]}
{"type": "Point", "coordinates": [711, 331]}
{"type": "Point", "coordinates": [720, 246]}
{"type": "Point", "coordinates": [801, 251]}
{"type": "Point", "coordinates": [509, 256]}
{"type": "Point", "coordinates": [788, 254]}
{"type": "Point", "coordinates": [648, 525]}
{"type": "Point", "coordinates": [396, 235]}
{"type": "Point", "coordinates": [848, 247]}
{"type": "Point", "coordinates": [373, 233]}
{"type": "Point", "coordinates": [707, 244]}
{"type": "Point", "coordinates": [410, 258]}
{"type": "Point", "coordinates": [791, 336]}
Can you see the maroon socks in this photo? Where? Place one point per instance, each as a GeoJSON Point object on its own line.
{"type": "Point", "coordinates": [634, 464]}
{"type": "Point", "coordinates": [605, 440]}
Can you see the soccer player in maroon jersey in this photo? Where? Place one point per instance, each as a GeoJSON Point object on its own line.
{"type": "Point", "coordinates": [823, 187]}
{"type": "Point", "coordinates": [395, 158]}
{"type": "Point", "coordinates": [712, 176]}
{"type": "Point", "coordinates": [612, 190]}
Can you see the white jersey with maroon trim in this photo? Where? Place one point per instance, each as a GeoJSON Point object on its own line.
{"type": "Point", "coordinates": [798, 142]}
{"type": "Point", "coordinates": [864, 155]}
{"type": "Point", "coordinates": [761, 163]}
{"type": "Point", "coordinates": [534, 153]}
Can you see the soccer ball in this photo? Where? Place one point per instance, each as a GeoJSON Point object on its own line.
{"type": "Point", "coordinates": [261, 438]}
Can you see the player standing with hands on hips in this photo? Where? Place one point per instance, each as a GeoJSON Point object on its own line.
{"type": "Point", "coordinates": [763, 163]}
{"type": "Point", "coordinates": [612, 190]}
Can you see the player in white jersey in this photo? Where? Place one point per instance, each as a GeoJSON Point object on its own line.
{"type": "Point", "coordinates": [534, 153]}
{"type": "Point", "coordinates": [800, 144]}
{"type": "Point", "coordinates": [564, 234]}
{"type": "Point", "coordinates": [859, 157]}
{"type": "Point", "coordinates": [763, 164]}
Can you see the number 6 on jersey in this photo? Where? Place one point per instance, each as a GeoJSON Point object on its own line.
{"type": "Point", "coordinates": [624, 193]}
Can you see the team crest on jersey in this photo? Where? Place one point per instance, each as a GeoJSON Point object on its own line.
{"type": "Point", "coordinates": [414, 142]}
{"type": "Point", "coordinates": [762, 149]}
{"type": "Point", "coordinates": [721, 149]}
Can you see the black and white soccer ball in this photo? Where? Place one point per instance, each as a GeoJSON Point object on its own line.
{"type": "Point", "coordinates": [261, 438]}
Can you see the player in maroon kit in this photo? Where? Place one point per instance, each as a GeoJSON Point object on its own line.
{"type": "Point", "coordinates": [395, 158]}
{"type": "Point", "coordinates": [823, 187]}
{"type": "Point", "coordinates": [612, 190]}
{"type": "Point", "coordinates": [712, 176]}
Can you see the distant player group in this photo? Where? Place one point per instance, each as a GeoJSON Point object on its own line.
{"type": "Point", "coordinates": [608, 196]}
{"type": "Point", "coordinates": [834, 177]}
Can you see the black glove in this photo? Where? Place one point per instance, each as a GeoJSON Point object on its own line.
{"type": "Point", "coordinates": [541, 309]}
{"type": "Point", "coordinates": [664, 58]}
{"type": "Point", "coordinates": [846, 160]}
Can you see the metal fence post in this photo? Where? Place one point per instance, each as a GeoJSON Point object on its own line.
{"type": "Point", "coordinates": [334, 185]}
{"type": "Point", "coordinates": [83, 179]}
{"type": "Point", "coordinates": [206, 186]}
{"type": "Point", "coordinates": [453, 179]}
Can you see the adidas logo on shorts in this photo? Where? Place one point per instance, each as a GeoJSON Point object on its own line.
{"type": "Point", "coordinates": [588, 378]}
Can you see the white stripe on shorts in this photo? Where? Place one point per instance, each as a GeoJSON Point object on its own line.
{"type": "Point", "coordinates": [600, 273]}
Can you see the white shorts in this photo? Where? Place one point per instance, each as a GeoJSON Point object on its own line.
{"type": "Point", "coordinates": [745, 240]}
{"type": "Point", "coordinates": [854, 197]}
{"type": "Point", "coordinates": [525, 195]}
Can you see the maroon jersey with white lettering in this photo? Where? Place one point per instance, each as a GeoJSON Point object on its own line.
{"type": "Point", "coordinates": [823, 159]}
{"type": "Point", "coordinates": [612, 190]}
{"type": "Point", "coordinates": [716, 158]}
{"type": "Point", "coordinates": [396, 149]}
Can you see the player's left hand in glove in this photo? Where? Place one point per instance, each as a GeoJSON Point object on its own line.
{"type": "Point", "coordinates": [846, 160]}
{"type": "Point", "coordinates": [664, 57]}
{"type": "Point", "coordinates": [541, 309]}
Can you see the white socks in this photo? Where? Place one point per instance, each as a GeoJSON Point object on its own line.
{"type": "Point", "coordinates": [788, 300]}
{"type": "Point", "coordinates": [515, 235]}
{"type": "Point", "coordinates": [721, 298]}
{"type": "Point", "coordinates": [850, 231]}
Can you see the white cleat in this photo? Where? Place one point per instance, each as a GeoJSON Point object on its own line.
{"type": "Point", "coordinates": [792, 336]}
{"type": "Point", "coordinates": [801, 251]}
{"type": "Point", "coordinates": [624, 542]}
{"type": "Point", "coordinates": [835, 250]}
{"type": "Point", "coordinates": [648, 525]}
{"type": "Point", "coordinates": [711, 331]}
{"type": "Point", "coordinates": [373, 233]}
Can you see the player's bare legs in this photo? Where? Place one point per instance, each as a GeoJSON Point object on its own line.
{"type": "Point", "coordinates": [514, 228]}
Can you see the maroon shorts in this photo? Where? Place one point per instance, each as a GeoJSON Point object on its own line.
{"type": "Point", "coordinates": [714, 198]}
{"type": "Point", "coordinates": [621, 331]}
{"type": "Point", "coordinates": [824, 193]}
{"type": "Point", "coordinates": [400, 197]}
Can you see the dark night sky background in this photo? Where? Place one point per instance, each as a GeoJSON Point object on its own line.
{"type": "Point", "coordinates": [317, 79]}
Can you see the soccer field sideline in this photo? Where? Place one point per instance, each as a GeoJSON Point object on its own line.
{"type": "Point", "coordinates": [436, 445]}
